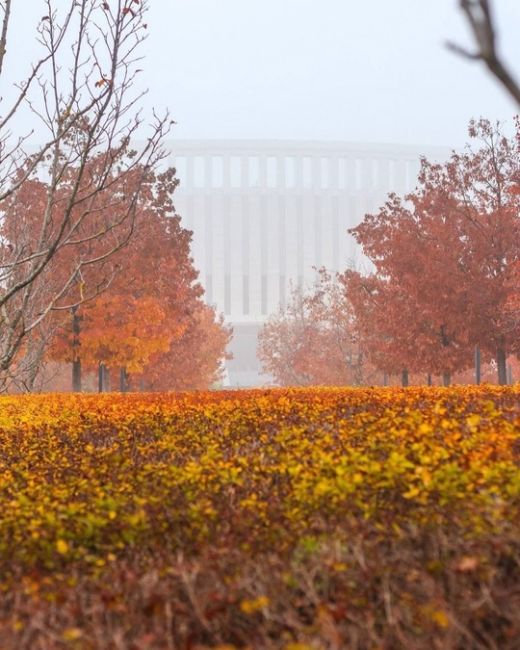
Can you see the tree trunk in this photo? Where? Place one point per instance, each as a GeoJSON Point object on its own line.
{"type": "Point", "coordinates": [478, 365]}
{"type": "Point", "coordinates": [123, 380]}
{"type": "Point", "coordinates": [101, 378]}
{"type": "Point", "coordinates": [429, 379]}
{"type": "Point", "coordinates": [36, 353]}
{"type": "Point", "coordinates": [509, 374]}
{"type": "Point", "coordinates": [446, 378]}
{"type": "Point", "coordinates": [385, 379]}
{"type": "Point", "coordinates": [501, 366]}
{"type": "Point", "coordinates": [76, 376]}
{"type": "Point", "coordinates": [76, 359]}
{"type": "Point", "coordinates": [405, 381]}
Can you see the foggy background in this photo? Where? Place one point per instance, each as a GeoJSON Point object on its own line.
{"type": "Point", "coordinates": [275, 85]}
{"type": "Point", "coordinates": [370, 71]}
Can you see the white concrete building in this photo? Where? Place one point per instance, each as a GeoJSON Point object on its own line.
{"type": "Point", "coordinates": [265, 214]}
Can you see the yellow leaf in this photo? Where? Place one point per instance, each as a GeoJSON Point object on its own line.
{"type": "Point", "coordinates": [72, 634]}
{"type": "Point", "coordinates": [467, 564]}
{"type": "Point", "coordinates": [252, 606]}
{"type": "Point", "coordinates": [473, 421]}
{"type": "Point", "coordinates": [440, 618]}
{"type": "Point", "coordinates": [412, 493]}
{"type": "Point", "coordinates": [62, 547]}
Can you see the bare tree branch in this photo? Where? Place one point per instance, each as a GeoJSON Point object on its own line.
{"type": "Point", "coordinates": [82, 92]}
{"type": "Point", "coordinates": [3, 36]}
{"type": "Point", "coordinates": [479, 14]}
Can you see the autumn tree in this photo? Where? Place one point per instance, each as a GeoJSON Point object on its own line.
{"type": "Point", "coordinates": [195, 359]}
{"type": "Point", "coordinates": [83, 97]}
{"type": "Point", "coordinates": [151, 316]}
{"type": "Point", "coordinates": [396, 337]}
{"type": "Point", "coordinates": [444, 257]}
{"type": "Point", "coordinates": [118, 332]}
{"type": "Point", "coordinates": [312, 340]}
{"type": "Point", "coordinates": [513, 300]}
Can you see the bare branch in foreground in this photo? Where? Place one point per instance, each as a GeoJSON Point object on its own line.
{"type": "Point", "coordinates": [479, 15]}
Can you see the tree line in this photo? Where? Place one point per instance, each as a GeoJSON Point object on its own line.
{"type": "Point", "coordinates": [95, 267]}
{"type": "Point", "coordinates": [444, 285]}
{"type": "Point", "coordinates": [138, 312]}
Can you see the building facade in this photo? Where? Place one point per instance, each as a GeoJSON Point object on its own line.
{"type": "Point", "coordinates": [265, 215]}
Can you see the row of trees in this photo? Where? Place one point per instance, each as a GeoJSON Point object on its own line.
{"type": "Point", "coordinates": [313, 339]}
{"type": "Point", "coordinates": [95, 267]}
{"type": "Point", "coordinates": [69, 183]}
{"type": "Point", "coordinates": [445, 278]}
{"type": "Point", "coordinates": [138, 311]}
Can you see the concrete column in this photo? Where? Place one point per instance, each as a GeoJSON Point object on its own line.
{"type": "Point", "coordinates": [245, 173]}
{"type": "Point", "coordinates": [208, 173]}
{"type": "Point", "coordinates": [264, 205]}
{"type": "Point", "coordinates": [350, 181]}
{"type": "Point", "coordinates": [226, 172]}
{"type": "Point", "coordinates": [255, 254]}
{"type": "Point", "coordinates": [225, 269]}
{"type": "Point", "coordinates": [334, 174]}
{"type": "Point", "coordinates": [188, 178]}
{"type": "Point", "coordinates": [316, 172]}
{"type": "Point", "coordinates": [283, 261]}
{"type": "Point", "coordinates": [262, 174]}
{"type": "Point", "coordinates": [280, 174]}
{"type": "Point", "coordinates": [246, 261]}
{"type": "Point", "coordinates": [400, 176]}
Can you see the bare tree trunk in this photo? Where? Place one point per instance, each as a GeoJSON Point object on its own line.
{"type": "Point", "coordinates": [76, 376]}
{"type": "Point", "coordinates": [446, 378]}
{"type": "Point", "coordinates": [123, 380]}
{"type": "Point", "coordinates": [429, 379]}
{"type": "Point", "coordinates": [76, 359]}
{"type": "Point", "coordinates": [101, 378]}
{"type": "Point", "coordinates": [35, 367]}
{"type": "Point", "coordinates": [501, 366]}
{"type": "Point", "coordinates": [478, 365]}
{"type": "Point", "coordinates": [405, 380]}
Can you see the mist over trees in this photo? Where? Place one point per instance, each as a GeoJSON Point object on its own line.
{"type": "Point", "coordinates": [95, 266]}
{"type": "Point", "coordinates": [313, 339]}
{"type": "Point", "coordinates": [445, 281]}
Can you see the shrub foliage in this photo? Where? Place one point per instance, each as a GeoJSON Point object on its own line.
{"type": "Point", "coordinates": [293, 519]}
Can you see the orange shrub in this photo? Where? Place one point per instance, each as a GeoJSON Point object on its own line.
{"type": "Point", "coordinates": [271, 518]}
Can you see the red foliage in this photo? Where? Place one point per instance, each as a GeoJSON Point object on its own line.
{"type": "Point", "coordinates": [312, 340]}
{"type": "Point", "coordinates": [151, 314]}
{"type": "Point", "coordinates": [445, 260]}
{"type": "Point", "coordinates": [193, 360]}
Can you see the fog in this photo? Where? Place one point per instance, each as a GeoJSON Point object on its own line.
{"type": "Point", "coordinates": [371, 71]}
{"type": "Point", "coordinates": [294, 118]}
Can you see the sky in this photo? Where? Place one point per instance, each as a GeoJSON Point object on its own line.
{"type": "Point", "coordinates": [356, 70]}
